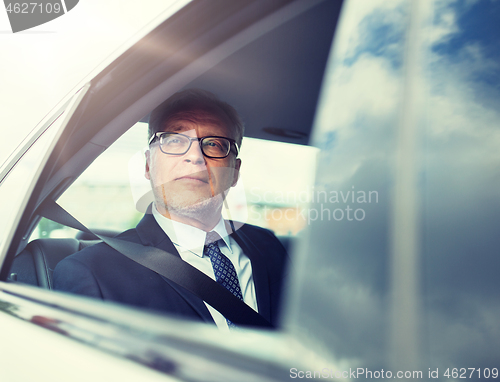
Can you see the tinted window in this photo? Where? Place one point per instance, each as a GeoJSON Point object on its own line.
{"type": "Point", "coordinates": [414, 270]}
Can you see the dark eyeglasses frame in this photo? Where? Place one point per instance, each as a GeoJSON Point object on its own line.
{"type": "Point", "coordinates": [156, 137]}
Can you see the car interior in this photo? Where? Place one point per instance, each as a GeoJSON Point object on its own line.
{"type": "Point", "coordinates": [268, 62]}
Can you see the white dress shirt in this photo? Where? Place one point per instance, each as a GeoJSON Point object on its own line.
{"type": "Point", "coordinates": [190, 241]}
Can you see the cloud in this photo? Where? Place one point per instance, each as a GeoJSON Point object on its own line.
{"type": "Point", "coordinates": [356, 128]}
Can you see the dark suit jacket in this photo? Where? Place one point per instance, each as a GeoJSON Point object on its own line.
{"type": "Point", "coordinates": [102, 272]}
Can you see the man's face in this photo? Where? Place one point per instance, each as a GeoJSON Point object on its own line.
{"type": "Point", "coordinates": [191, 183]}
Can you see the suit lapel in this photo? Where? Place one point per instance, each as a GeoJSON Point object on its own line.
{"type": "Point", "coordinates": [152, 235]}
{"type": "Point", "coordinates": [259, 272]}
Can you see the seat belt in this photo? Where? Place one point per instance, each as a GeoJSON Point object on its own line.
{"type": "Point", "coordinates": [170, 266]}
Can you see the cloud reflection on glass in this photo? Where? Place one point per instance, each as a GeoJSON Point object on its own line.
{"type": "Point", "coordinates": [459, 163]}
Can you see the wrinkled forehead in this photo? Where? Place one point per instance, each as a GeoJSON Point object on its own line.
{"type": "Point", "coordinates": [189, 120]}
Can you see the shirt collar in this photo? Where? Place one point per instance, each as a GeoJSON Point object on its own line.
{"type": "Point", "coordinates": [187, 236]}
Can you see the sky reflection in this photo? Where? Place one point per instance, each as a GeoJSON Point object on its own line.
{"type": "Point", "coordinates": [459, 164]}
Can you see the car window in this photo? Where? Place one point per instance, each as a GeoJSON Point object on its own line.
{"type": "Point", "coordinates": [277, 179]}
{"type": "Point", "coordinates": [101, 197]}
{"type": "Point", "coordinates": [342, 267]}
{"type": "Point", "coordinates": [402, 248]}
{"type": "Point", "coordinates": [20, 177]}
{"type": "Point", "coordinates": [460, 193]}
{"type": "Point", "coordinates": [272, 191]}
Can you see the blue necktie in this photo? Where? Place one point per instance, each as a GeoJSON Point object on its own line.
{"type": "Point", "coordinates": [224, 271]}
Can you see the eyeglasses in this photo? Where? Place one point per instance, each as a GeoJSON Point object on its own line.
{"type": "Point", "coordinates": [179, 144]}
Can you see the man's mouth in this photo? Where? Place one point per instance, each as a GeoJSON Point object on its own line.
{"type": "Point", "coordinates": [203, 179]}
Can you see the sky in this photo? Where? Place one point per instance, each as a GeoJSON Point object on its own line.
{"type": "Point", "coordinates": [41, 65]}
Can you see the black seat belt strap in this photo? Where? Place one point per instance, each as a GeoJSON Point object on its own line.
{"type": "Point", "coordinates": [170, 266]}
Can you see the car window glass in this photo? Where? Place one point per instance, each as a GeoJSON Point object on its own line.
{"type": "Point", "coordinates": [276, 178]}
{"type": "Point", "coordinates": [347, 277]}
{"type": "Point", "coordinates": [13, 190]}
{"type": "Point", "coordinates": [341, 282]}
{"type": "Point", "coordinates": [461, 183]}
{"type": "Point", "coordinates": [101, 197]}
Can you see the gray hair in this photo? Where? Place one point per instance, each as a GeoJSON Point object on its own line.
{"type": "Point", "coordinates": [192, 100]}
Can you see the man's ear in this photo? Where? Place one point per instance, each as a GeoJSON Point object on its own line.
{"type": "Point", "coordinates": [236, 175]}
{"type": "Point", "coordinates": [146, 173]}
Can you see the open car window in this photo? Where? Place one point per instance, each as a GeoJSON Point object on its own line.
{"type": "Point", "coordinates": [101, 197]}
{"type": "Point", "coordinates": [273, 190]}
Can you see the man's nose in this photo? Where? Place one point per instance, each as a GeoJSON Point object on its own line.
{"type": "Point", "coordinates": [195, 154]}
